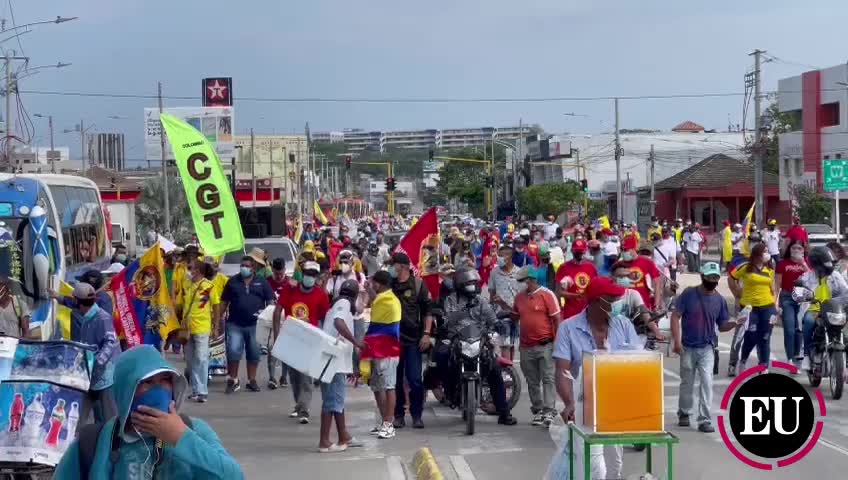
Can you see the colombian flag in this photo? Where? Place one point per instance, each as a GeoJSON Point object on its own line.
{"type": "Point", "coordinates": [746, 229]}
{"type": "Point", "coordinates": [319, 214]}
{"type": "Point", "coordinates": [143, 309]}
{"type": "Point", "coordinates": [383, 336]}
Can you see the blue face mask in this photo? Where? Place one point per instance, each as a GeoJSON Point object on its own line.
{"type": "Point", "coordinates": [625, 282]}
{"type": "Point", "coordinates": [393, 272]}
{"type": "Point", "coordinates": [616, 307]}
{"type": "Point", "coordinates": [157, 397]}
{"type": "Point", "coordinates": [627, 256]}
{"type": "Point", "coordinates": [501, 262]}
{"type": "Point", "coordinates": [246, 272]}
{"type": "Point", "coordinates": [447, 283]}
{"type": "Point", "coordinates": [308, 282]}
{"type": "Point", "coordinates": [91, 313]}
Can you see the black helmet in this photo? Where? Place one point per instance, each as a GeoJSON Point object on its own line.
{"type": "Point", "coordinates": [466, 276]}
{"type": "Point", "coordinates": [349, 288]}
{"type": "Point", "coordinates": [93, 278]}
{"type": "Point", "coordinates": [822, 260]}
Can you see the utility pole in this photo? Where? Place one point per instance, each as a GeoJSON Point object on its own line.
{"type": "Point", "coordinates": [83, 153]}
{"type": "Point", "coordinates": [164, 164]}
{"type": "Point", "coordinates": [618, 196]}
{"type": "Point", "coordinates": [8, 147]}
{"type": "Point", "coordinates": [285, 195]}
{"type": "Point", "coordinates": [758, 138]}
{"type": "Point", "coordinates": [271, 159]}
{"type": "Point", "coordinates": [653, 198]}
{"type": "Point", "coordinates": [253, 166]}
{"type": "Point", "coordinates": [50, 124]}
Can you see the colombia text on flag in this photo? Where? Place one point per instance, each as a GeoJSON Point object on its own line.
{"type": "Point", "coordinates": [383, 336]}
{"type": "Point", "coordinates": [143, 308]}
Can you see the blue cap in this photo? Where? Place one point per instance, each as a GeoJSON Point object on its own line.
{"type": "Point", "coordinates": [710, 268]}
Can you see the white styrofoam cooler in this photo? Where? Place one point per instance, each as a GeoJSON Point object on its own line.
{"type": "Point", "coordinates": [310, 351]}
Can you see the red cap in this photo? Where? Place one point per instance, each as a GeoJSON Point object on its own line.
{"type": "Point", "coordinates": [629, 243]}
{"type": "Point", "coordinates": [602, 287]}
{"type": "Point", "coordinates": [579, 245]}
{"type": "Point", "coordinates": [726, 223]}
{"type": "Point", "coordinates": [594, 244]}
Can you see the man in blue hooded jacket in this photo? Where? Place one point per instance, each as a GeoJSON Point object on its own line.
{"type": "Point", "coordinates": [151, 436]}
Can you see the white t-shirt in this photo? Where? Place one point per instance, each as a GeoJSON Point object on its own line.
{"type": "Point", "coordinates": [340, 309]}
{"type": "Point", "coordinates": [693, 241]}
{"type": "Point", "coordinates": [665, 254]}
{"type": "Point", "coordinates": [772, 238]}
{"type": "Point", "coordinates": [611, 246]}
{"type": "Point", "coordinates": [550, 230]}
{"type": "Point", "coordinates": [735, 238]}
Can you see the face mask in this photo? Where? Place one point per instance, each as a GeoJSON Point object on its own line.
{"type": "Point", "coordinates": [578, 256]}
{"type": "Point", "coordinates": [246, 272]}
{"type": "Point", "coordinates": [393, 272]}
{"type": "Point", "coordinates": [616, 307]}
{"type": "Point", "coordinates": [625, 282]}
{"type": "Point", "coordinates": [121, 258]}
{"type": "Point", "coordinates": [798, 256]}
{"type": "Point", "coordinates": [345, 268]}
{"type": "Point", "coordinates": [627, 256]}
{"type": "Point", "coordinates": [709, 285]}
{"type": "Point", "coordinates": [470, 288]}
{"type": "Point", "coordinates": [92, 312]}
{"type": "Point", "coordinates": [157, 397]}
{"type": "Point", "coordinates": [308, 282]}
{"type": "Point", "coordinates": [522, 287]}
{"type": "Point", "coordinates": [519, 249]}
{"type": "Point", "coordinates": [448, 283]}
{"type": "Point", "coordinates": [501, 262]}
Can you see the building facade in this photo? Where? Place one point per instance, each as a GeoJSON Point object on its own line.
{"type": "Point", "coordinates": [108, 150]}
{"type": "Point", "coordinates": [378, 140]}
{"type": "Point", "coordinates": [280, 158]}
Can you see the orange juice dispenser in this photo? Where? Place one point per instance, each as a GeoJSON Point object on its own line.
{"type": "Point", "coordinates": [623, 391]}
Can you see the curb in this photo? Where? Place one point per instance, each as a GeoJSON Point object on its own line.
{"type": "Point", "coordinates": [425, 467]}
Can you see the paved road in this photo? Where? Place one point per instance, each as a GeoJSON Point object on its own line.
{"type": "Point", "coordinates": [255, 428]}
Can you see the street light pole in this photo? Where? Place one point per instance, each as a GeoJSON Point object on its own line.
{"type": "Point", "coordinates": [83, 155]}
{"type": "Point", "coordinates": [167, 202]}
{"type": "Point", "coordinates": [8, 146]}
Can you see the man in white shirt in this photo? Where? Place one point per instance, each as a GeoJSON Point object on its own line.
{"type": "Point", "coordinates": [772, 238]}
{"type": "Point", "coordinates": [610, 245]}
{"type": "Point", "coordinates": [551, 228]}
{"type": "Point", "coordinates": [665, 253]}
{"type": "Point", "coordinates": [736, 238]}
{"type": "Point", "coordinates": [694, 242]}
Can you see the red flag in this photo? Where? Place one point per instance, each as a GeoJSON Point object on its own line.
{"type": "Point", "coordinates": [421, 244]}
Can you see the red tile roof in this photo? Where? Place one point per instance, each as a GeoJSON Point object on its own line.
{"type": "Point", "coordinates": [713, 172]}
{"type": "Point", "coordinates": [688, 126]}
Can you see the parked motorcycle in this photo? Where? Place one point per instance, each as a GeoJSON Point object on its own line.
{"type": "Point", "coordinates": [827, 355]}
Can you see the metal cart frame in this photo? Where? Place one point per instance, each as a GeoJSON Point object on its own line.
{"type": "Point", "coordinates": [648, 439]}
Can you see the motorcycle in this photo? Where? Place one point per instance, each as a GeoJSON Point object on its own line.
{"type": "Point", "coordinates": [827, 355]}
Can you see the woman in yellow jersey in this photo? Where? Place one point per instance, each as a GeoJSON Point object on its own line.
{"type": "Point", "coordinates": [758, 291]}
{"type": "Point", "coordinates": [822, 284]}
{"type": "Point", "coordinates": [196, 304]}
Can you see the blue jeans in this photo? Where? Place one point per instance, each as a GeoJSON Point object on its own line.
{"type": "Point", "coordinates": [809, 328]}
{"type": "Point", "coordinates": [333, 394]}
{"type": "Point", "coordinates": [197, 360]}
{"type": "Point", "coordinates": [696, 361]}
{"type": "Point", "coordinates": [241, 339]}
{"type": "Point", "coordinates": [409, 368]}
{"type": "Point", "coordinates": [758, 334]}
{"type": "Point", "coordinates": [791, 333]}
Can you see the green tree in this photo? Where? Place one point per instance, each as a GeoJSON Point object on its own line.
{"type": "Point", "coordinates": [150, 208]}
{"type": "Point", "coordinates": [812, 207]}
{"type": "Point", "coordinates": [549, 198]}
{"type": "Point", "coordinates": [466, 181]}
{"type": "Point", "coordinates": [597, 209]}
{"type": "Point", "coordinates": [777, 123]}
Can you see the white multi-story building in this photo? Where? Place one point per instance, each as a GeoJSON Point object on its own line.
{"type": "Point", "coordinates": [328, 137]}
{"type": "Point", "coordinates": [358, 139]}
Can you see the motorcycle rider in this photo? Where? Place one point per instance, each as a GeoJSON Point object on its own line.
{"type": "Point", "coordinates": [822, 283]}
{"type": "Point", "coordinates": [467, 298]}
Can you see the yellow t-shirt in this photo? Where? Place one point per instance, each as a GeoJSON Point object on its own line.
{"type": "Point", "coordinates": [198, 299]}
{"type": "Point", "coordinates": [820, 295]}
{"type": "Point", "coordinates": [220, 281]}
{"type": "Point", "coordinates": [180, 275]}
{"type": "Point", "coordinates": [757, 286]}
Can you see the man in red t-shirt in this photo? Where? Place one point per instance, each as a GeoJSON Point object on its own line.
{"type": "Point", "coordinates": [309, 303]}
{"type": "Point", "coordinates": [641, 268]}
{"type": "Point", "coordinates": [797, 233]}
{"type": "Point", "coordinates": [573, 277]}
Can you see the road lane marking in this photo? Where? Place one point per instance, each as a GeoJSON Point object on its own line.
{"type": "Point", "coordinates": [461, 467]}
{"type": "Point", "coordinates": [395, 468]}
{"type": "Point", "coordinates": [671, 374]}
{"type": "Point", "coordinates": [834, 446]}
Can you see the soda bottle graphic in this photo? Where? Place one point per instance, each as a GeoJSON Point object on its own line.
{"type": "Point", "coordinates": [32, 420]}
{"type": "Point", "coordinates": [73, 420]}
{"type": "Point", "coordinates": [57, 419]}
{"type": "Point", "coordinates": [16, 413]}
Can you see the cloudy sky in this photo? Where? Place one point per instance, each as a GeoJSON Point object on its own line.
{"type": "Point", "coordinates": [395, 49]}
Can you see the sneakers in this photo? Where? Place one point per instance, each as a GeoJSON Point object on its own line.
{"type": "Point", "coordinates": [683, 421]}
{"type": "Point", "coordinates": [253, 386]}
{"type": "Point", "coordinates": [731, 370]}
{"type": "Point", "coordinates": [200, 399]}
{"type": "Point", "coordinates": [706, 428]}
{"type": "Point", "coordinates": [417, 423]}
{"type": "Point", "coordinates": [295, 413]}
{"type": "Point", "coordinates": [538, 420]}
{"type": "Point", "coordinates": [507, 420]}
{"type": "Point", "coordinates": [233, 386]}
{"type": "Point", "coordinates": [193, 397]}
{"type": "Point", "coordinates": [805, 364]}
{"type": "Point", "coordinates": [399, 422]}
{"type": "Point", "coordinates": [272, 385]}
{"type": "Point", "coordinates": [304, 418]}
{"type": "Point", "coordinates": [284, 383]}
{"type": "Point", "coordinates": [386, 432]}
{"type": "Point", "coordinates": [376, 430]}
{"type": "Point", "coordinates": [548, 419]}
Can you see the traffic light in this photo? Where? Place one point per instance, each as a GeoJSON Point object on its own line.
{"type": "Point", "coordinates": [347, 161]}
{"type": "Point", "coordinates": [390, 184]}
{"type": "Point", "coordinates": [584, 184]}
{"type": "Point", "coordinates": [490, 182]}
{"type": "Point", "coordinates": [431, 155]}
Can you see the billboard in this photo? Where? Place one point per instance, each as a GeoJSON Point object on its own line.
{"type": "Point", "coordinates": [216, 124]}
{"type": "Point", "coordinates": [217, 92]}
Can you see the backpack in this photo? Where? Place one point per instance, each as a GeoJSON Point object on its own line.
{"type": "Point", "coordinates": [87, 439]}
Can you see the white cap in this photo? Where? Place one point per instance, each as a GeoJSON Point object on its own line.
{"type": "Point", "coordinates": [113, 269]}
{"type": "Point", "coordinates": [313, 266]}
{"type": "Point", "coordinates": [524, 231]}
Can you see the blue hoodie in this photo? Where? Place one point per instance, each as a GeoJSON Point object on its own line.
{"type": "Point", "coordinates": [198, 454]}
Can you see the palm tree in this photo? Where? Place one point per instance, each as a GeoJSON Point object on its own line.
{"type": "Point", "coordinates": [150, 209]}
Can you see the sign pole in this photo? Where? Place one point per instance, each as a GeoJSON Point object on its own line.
{"type": "Point", "coordinates": [838, 231]}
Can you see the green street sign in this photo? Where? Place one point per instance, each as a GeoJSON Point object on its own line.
{"type": "Point", "coordinates": [835, 175]}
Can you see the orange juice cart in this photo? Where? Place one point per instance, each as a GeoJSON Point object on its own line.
{"type": "Point", "coordinates": [623, 404]}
